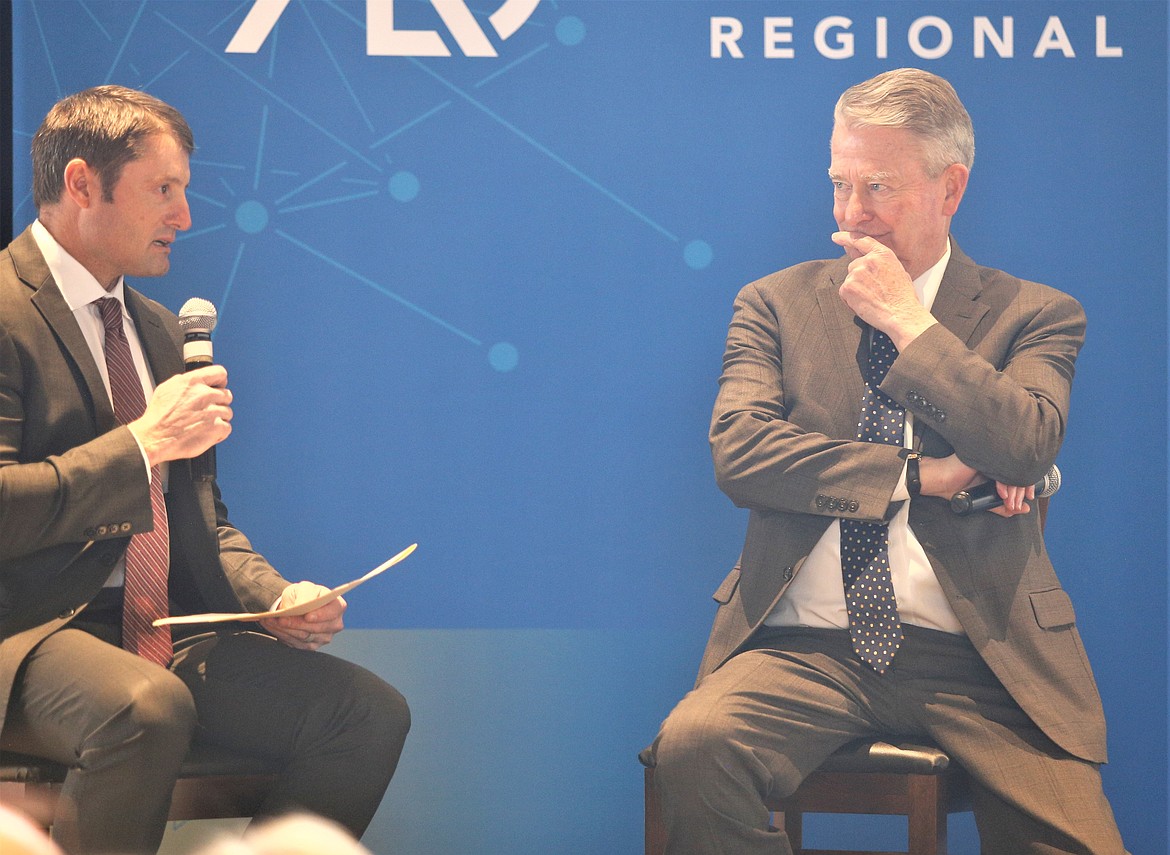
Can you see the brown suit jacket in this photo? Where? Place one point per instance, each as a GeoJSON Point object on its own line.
{"type": "Point", "coordinates": [73, 484]}
{"type": "Point", "coordinates": [991, 382]}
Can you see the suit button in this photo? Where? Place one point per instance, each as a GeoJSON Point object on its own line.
{"type": "Point", "coordinates": [90, 533]}
{"type": "Point", "coordinates": [787, 574]}
{"type": "Point", "coordinates": [68, 613]}
{"type": "Point", "coordinates": [124, 527]}
{"type": "Point", "coordinates": [854, 506]}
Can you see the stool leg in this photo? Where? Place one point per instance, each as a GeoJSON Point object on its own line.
{"type": "Point", "coordinates": [927, 816]}
{"type": "Point", "coordinates": [655, 827]}
{"type": "Point", "coordinates": [794, 828]}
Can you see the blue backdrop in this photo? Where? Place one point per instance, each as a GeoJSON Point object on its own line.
{"type": "Point", "coordinates": [478, 301]}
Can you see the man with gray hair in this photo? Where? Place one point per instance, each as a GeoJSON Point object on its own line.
{"type": "Point", "coordinates": [858, 395]}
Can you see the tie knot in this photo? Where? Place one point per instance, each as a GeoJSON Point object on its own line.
{"type": "Point", "coordinates": [111, 310]}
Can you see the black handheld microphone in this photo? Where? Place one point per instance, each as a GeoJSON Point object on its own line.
{"type": "Point", "coordinates": [197, 319]}
{"type": "Point", "coordinates": [984, 496]}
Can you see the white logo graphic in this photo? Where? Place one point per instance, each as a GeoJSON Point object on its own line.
{"type": "Point", "coordinates": [382, 39]}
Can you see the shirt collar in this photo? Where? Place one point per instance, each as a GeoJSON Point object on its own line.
{"type": "Point", "coordinates": [926, 286]}
{"type": "Point", "coordinates": [77, 285]}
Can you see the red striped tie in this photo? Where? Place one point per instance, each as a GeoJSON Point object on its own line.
{"type": "Point", "coordinates": [147, 556]}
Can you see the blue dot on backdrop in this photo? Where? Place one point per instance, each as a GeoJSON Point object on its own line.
{"type": "Point", "coordinates": [570, 31]}
{"type": "Point", "coordinates": [514, 365]}
{"type": "Point", "coordinates": [503, 356]}
{"type": "Point", "coordinates": [251, 217]}
{"type": "Point", "coordinates": [698, 254]}
{"type": "Point", "coordinates": [404, 186]}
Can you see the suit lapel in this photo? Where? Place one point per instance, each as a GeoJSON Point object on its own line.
{"type": "Point", "coordinates": [32, 270]}
{"type": "Point", "coordinates": [843, 333]}
{"type": "Point", "coordinates": [162, 355]}
{"type": "Point", "coordinates": [959, 305]}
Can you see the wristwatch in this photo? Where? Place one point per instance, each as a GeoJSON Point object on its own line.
{"type": "Point", "coordinates": [913, 478]}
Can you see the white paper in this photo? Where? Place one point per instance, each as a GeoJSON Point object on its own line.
{"type": "Point", "coordinates": [298, 609]}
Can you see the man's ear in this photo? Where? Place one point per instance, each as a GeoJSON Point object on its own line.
{"type": "Point", "coordinates": [955, 183]}
{"type": "Point", "coordinates": [82, 184]}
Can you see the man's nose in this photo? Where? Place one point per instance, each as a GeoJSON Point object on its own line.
{"type": "Point", "coordinates": [854, 208]}
{"type": "Point", "coordinates": [181, 215]}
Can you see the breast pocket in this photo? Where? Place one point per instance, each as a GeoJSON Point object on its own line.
{"type": "Point", "coordinates": [1053, 609]}
{"type": "Point", "coordinates": [727, 587]}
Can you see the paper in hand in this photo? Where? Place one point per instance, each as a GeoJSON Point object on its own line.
{"type": "Point", "coordinates": [298, 609]}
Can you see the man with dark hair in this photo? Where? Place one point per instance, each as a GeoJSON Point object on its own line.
{"type": "Point", "coordinates": [104, 526]}
{"type": "Point", "coordinates": [858, 395]}
{"type": "Point", "coordinates": [107, 127]}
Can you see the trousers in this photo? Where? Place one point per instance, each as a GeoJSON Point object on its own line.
{"type": "Point", "coordinates": [758, 725]}
{"type": "Point", "coordinates": [124, 725]}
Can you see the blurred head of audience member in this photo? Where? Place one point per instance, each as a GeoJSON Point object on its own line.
{"type": "Point", "coordinates": [295, 834]}
{"type": "Point", "coordinates": [19, 836]}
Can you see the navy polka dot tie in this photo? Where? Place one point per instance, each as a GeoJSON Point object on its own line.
{"type": "Point", "coordinates": [874, 625]}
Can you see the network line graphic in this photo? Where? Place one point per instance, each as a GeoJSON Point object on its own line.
{"type": "Point", "coordinates": [363, 170]}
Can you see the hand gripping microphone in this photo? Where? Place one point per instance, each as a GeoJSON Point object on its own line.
{"type": "Point", "coordinates": [984, 496]}
{"type": "Point", "coordinates": [197, 319]}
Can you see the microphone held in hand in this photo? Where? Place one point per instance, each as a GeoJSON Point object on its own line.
{"type": "Point", "coordinates": [984, 496]}
{"type": "Point", "coordinates": [197, 319]}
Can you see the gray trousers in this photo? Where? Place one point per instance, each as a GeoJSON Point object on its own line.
{"type": "Point", "coordinates": [763, 721]}
{"type": "Point", "coordinates": [124, 725]}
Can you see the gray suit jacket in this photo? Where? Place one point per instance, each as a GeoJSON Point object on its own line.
{"type": "Point", "coordinates": [73, 484]}
{"type": "Point", "coordinates": [991, 382]}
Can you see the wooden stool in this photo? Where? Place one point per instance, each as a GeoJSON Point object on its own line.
{"type": "Point", "coordinates": [864, 777]}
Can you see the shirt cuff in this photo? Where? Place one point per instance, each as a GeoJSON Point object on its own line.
{"type": "Point", "coordinates": [901, 492]}
{"type": "Point", "coordinates": [142, 451]}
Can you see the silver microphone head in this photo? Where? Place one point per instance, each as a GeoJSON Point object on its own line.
{"type": "Point", "coordinates": [1051, 483]}
{"type": "Point", "coordinates": [198, 315]}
